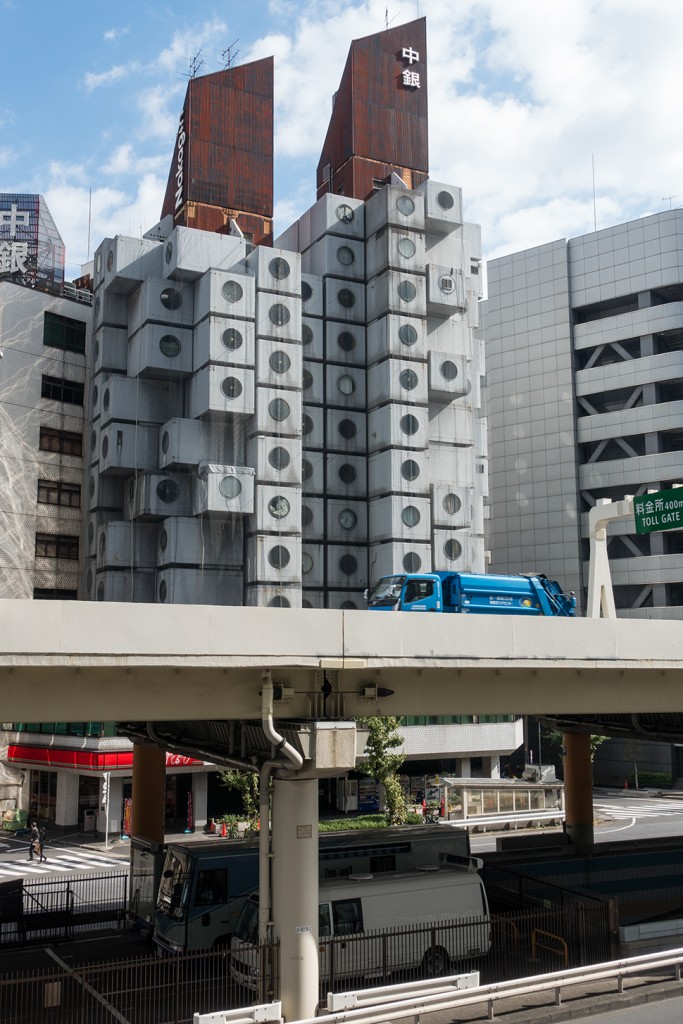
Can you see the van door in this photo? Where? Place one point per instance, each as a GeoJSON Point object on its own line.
{"type": "Point", "coordinates": [420, 595]}
{"type": "Point", "coordinates": [209, 914]}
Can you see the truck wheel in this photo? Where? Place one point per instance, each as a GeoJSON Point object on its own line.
{"type": "Point", "coordinates": [435, 963]}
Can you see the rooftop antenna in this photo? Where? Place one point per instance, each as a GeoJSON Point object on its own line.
{"type": "Point", "coordinates": [89, 221]}
{"type": "Point", "coordinates": [595, 210]}
{"type": "Point", "coordinates": [387, 19]}
{"type": "Point", "coordinates": [194, 66]}
{"type": "Point", "coordinates": [229, 55]}
{"type": "Point", "coordinates": [671, 199]}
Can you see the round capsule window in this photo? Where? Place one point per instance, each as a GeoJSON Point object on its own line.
{"type": "Point", "coordinates": [165, 441]}
{"type": "Point", "coordinates": [163, 591]}
{"type": "Point", "coordinates": [348, 606]}
{"type": "Point", "coordinates": [306, 335]}
{"type": "Point", "coordinates": [230, 487]}
{"type": "Point", "coordinates": [232, 291]}
{"type": "Point", "coordinates": [347, 429]}
{"type": "Point", "coordinates": [346, 341]}
{"type": "Point", "coordinates": [91, 532]}
{"type": "Point", "coordinates": [91, 486]}
{"type": "Point", "coordinates": [231, 387]}
{"type": "Point", "coordinates": [279, 602]}
{"type": "Point", "coordinates": [408, 380]}
{"type": "Point", "coordinates": [347, 519]}
{"type": "Point", "coordinates": [306, 469]}
{"type": "Point", "coordinates": [346, 385]}
{"type": "Point", "coordinates": [98, 306]}
{"type": "Point", "coordinates": [171, 298]}
{"type": "Point", "coordinates": [412, 562]}
{"type": "Point", "coordinates": [306, 380]}
{"type": "Point", "coordinates": [89, 580]}
{"type": "Point", "coordinates": [347, 473]}
{"type": "Point", "coordinates": [405, 205]}
{"type": "Point", "coordinates": [106, 398]}
{"type": "Point", "coordinates": [406, 247]}
{"type": "Point", "coordinates": [305, 603]}
{"type": "Point", "coordinates": [95, 395]}
{"type": "Point", "coordinates": [163, 540]}
{"type": "Point", "coordinates": [452, 549]}
{"type": "Point", "coordinates": [105, 446]}
{"type": "Point", "coordinates": [407, 335]}
{"type": "Point", "coordinates": [103, 543]}
{"type": "Point", "coordinates": [306, 515]}
{"type": "Point", "coordinates": [346, 298]}
{"type": "Point", "coordinates": [100, 591]}
{"type": "Point", "coordinates": [348, 564]}
{"type": "Point", "coordinates": [278, 458]}
{"type": "Point", "coordinates": [409, 424]}
{"type": "Point", "coordinates": [410, 470]}
{"type": "Point", "coordinates": [279, 409]}
{"type": "Point", "coordinates": [448, 370]}
{"type": "Point", "coordinates": [110, 259]}
{"type": "Point", "coordinates": [279, 315]}
{"type": "Point", "coordinates": [279, 361]}
{"type": "Point", "coordinates": [279, 268]}
{"type": "Point", "coordinates": [410, 515]}
{"type": "Point", "coordinates": [232, 339]}
{"type": "Point", "coordinates": [169, 252]}
{"type": "Point", "coordinates": [96, 350]}
{"type": "Point", "coordinates": [306, 424]}
{"type": "Point", "coordinates": [451, 504]}
{"type": "Point", "coordinates": [98, 263]}
{"type": "Point", "coordinates": [345, 255]}
{"type": "Point", "coordinates": [345, 213]}
{"type": "Point", "coordinates": [93, 441]}
{"type": "Point", "coordinates": [168, 491]}
{"type": "Point", "coordinates": [279, 506]}
{"type": "Point", "coordinates": [445, 200]}
{"type": "Point", "coordinates": [306, 563]}
{"type": "Point", "coordinates": [407, 291]}
{"type": "Point", "coordinates": [169, 346]}
{"type": "Point", "coordinates": [279, 556]}
{"type": "Point", "coordinates": [306, 291]}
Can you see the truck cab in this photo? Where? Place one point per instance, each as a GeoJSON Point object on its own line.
{"type": "Point", "coordinates": [471, 593]}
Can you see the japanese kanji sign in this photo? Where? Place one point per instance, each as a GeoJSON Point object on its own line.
{"type": "Point", "coordinates": [660, 511]}
{"type": "Point", "coordinates": [410, 78]}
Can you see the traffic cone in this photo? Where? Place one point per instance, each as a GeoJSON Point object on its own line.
{"type": "Point", "coordinates": [224, 830]}
{"type": "Point", "coordinates": [625, 783]}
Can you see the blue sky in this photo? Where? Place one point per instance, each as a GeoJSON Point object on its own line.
{"type": "Point", "coordinates": [524, 96]}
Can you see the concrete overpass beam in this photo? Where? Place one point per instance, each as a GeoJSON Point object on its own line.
{"type": "Point", "coordinates": [578, 788]}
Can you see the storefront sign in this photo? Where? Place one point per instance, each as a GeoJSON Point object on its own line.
{"type": "Point", "coordinates": [13, 254]}
{"type": "Point", "coordinates": [180, 162]}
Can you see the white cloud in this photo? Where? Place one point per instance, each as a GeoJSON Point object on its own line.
{"type": "Point", "coordinates": [125, 161]}
{"type": "Point", "coordinates": [92, 80]}
{"type": "Point", "coordinates": [185, 45]}
{"type": "Point", "coordinates": [7, 155]}
{"type": "Point", "coordinates": [113, 34]}
{"type": "Point", "coordinates": [160, 109]}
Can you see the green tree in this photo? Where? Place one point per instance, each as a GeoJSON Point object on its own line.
{"type": "Point", "coordinates": [383, 764]}
{"type": "Point", "coordinates": [246, 785]}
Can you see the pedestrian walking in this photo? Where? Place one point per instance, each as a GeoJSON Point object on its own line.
{"type": "Point", "coordinates": [41, 844]}
{"type": "Point", "coordinates": [33, 846]}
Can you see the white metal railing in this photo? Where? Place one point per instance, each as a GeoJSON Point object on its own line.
{"type": "Point", "coordinates": [411, 999]}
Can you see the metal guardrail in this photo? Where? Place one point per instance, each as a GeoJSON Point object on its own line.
{"type": "Point", "coordinates": [261, 1014]}
{"type": "Point", "coordinates": [504, 820]}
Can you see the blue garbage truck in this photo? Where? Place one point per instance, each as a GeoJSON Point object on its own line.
{"type": "Point", "coordinates": [471, 593]}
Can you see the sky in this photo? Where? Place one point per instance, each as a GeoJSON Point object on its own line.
{"type": "Point", "coordinates": [552, 115]}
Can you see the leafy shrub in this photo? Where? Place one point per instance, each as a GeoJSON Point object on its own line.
{"type": "Point", "coordinates": [652, 780]}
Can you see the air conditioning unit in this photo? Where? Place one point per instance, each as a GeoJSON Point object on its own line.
{"type": "Point", "coordinates": [157, 496]}
{"type": "Point", "coordinates": [220, 392]}
{"type": "Point", "coordinates": [393, 335]}
{"type": "Point", "coordinates": [225, 293]}
{"type": "Point", "coordinates": [158, 351]}
{"type": "Point", "coordinates": [222, 490]}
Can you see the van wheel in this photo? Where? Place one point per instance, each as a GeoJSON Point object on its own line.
{"type": "Point", "coordinates": [435, 963]}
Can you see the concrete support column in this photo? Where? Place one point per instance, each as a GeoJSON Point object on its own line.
{"type": "Point", "coordinates": [200, 793]}
{"type": "Point", "coordinates": [149, 778]}
{"type": "Point", "coordinates": [295, 892]}
{"type": "Point", "coordinates": [578, 788]}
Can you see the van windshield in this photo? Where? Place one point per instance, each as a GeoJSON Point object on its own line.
{"type": "Point", "coordinates": [247, 924]}
{"type": "Point", "coordinates": [387, 592]}
{"type": "Point", "coordinates": [173, 886]}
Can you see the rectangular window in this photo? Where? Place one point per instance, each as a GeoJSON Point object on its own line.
{"type": "Point", "coordinates": [56, 492]}
{"type": "Point", "coordinates": [56, 594]}
{"type": "Point", "coordinates": [65, 442]}
{"type": "Point", "coordinates": [347, 916]}
{"type": "Point", "coordinates": [50, 545]}
{"type": "Point", "coordinates": [61, 390]}
{"type": "Point", "coordinates": [63, 332]}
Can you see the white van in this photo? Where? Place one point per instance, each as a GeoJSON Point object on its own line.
{"type": "Point", "coordinates": [445, 909]}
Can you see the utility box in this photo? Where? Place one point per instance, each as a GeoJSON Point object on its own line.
{"type": "Point", "coordinates": [89, 821]}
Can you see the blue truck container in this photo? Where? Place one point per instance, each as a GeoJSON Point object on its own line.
{"type": "Point", "coordinates": [471, 593]}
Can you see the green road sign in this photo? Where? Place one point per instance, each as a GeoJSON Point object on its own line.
{"type": "Point", "coordinates": [660, 511]}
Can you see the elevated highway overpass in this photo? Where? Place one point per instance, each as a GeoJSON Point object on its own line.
{"type": "Point", "coordinates": [107, 662]}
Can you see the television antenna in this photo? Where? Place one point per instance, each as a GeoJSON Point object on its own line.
{"type": "Point", "coordinates": [671, 199]}
{"type": "Point", "coordinates": [194, 66]}
{"type": "Point", "coordinates": [229, 55]}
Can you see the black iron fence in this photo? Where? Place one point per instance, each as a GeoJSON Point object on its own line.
{"type": "Point", "coordinates": [61, 908]}
{"type": "Point", "coordinates": [154, 990]}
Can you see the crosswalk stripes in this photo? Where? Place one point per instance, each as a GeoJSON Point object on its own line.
{"type": "Point", "coordinates": [637, 809]}
{"type": "Point", "coordinates": [59, 861]}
